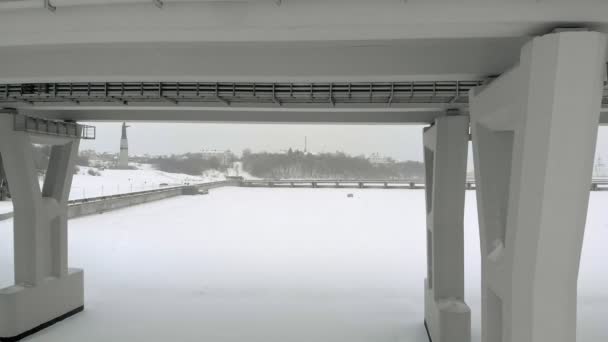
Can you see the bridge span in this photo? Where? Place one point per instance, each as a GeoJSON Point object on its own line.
{"type": "Point", "coordinates": [523, 80]}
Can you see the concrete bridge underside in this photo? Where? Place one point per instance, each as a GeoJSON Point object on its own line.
{"type": "Point", "coordinates": [520, 78]}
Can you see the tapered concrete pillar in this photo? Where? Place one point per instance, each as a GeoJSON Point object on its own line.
{"type": "Point", "coordinates": [447, 317]}
{"type": "Point", "coordinates": [45, 289]}
{"type": "Point", "coordinates": [534, 135]}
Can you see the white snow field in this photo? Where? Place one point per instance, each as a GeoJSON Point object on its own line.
{"type": "Point", "coordinates": [6, 206]}
{"type": "Point", "coordinates": [112, 182]}
{"type": "Point", "coordinates": [277, 265]}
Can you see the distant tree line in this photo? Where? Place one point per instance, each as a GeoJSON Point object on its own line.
{"type": "Point", "coordinates": [297, 164]}
{"type": "Point", "coordinates": [188, 163]}
{"type": "Point", "coordinates": [290, 165]}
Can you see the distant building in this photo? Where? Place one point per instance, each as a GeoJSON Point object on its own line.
{"type": "Point", "coordinates": [225, 157]}
{"type": "Point", "coordinates": [123, 157]}
{"type": "Point", "coordinates": [377, 159]}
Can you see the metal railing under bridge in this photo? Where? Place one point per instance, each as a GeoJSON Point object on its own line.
{"type": "Point", "coordinates": [334, 183]}
{"type": "Point", "coordinates": [451, 92]}
{"type": "Point", "coordinates": [598, 184]}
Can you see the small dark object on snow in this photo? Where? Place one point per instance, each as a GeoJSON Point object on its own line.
{"type": "Point", "coordinates": [350, 195]}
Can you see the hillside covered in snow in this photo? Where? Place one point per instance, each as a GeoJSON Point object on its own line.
{"type": "Point", "coordinates": [92, 182]}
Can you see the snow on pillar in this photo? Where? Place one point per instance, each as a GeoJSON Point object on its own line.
{"type": "Point", "coordinates": [45, 289]}
{"type": "Point", "coordinates": [447, 317]}
{"type": "Point", "coordinates": [534, 135]}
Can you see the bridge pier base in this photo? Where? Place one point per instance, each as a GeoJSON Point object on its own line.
{"type": "Point", "coordinates": [45, 289]}
{"type": "Point", "coordinates": [447, 317]}
{"type": "Point", "coordinates": [534, 135]}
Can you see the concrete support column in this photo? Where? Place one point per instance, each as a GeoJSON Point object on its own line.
{"type": "Point", "coordinates": [534, 135]}
{"type": "Point", "coordinates": [447, 317]}
{"type": "Point", "coordinates": [45, 289]}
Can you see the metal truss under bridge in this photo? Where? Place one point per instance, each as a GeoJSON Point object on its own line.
{"type": "Point", "coordinates": [241, 93]}
{"type": "Point", "coordinates": [236, 93]}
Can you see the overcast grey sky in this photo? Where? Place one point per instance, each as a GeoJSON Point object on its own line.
{"type": "Point", "coordinates": [397, 141]}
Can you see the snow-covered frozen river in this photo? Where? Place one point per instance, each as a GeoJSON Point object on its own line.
{"type": "Point", "coordinates": [277, 265]}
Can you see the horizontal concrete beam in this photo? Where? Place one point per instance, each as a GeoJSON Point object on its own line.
{"type": "Point", "coordinates": [329, 115]}
{"type": "Point", "coordinates": [251, 115]}
{"type": "Point", "coordinates": [336, 61]}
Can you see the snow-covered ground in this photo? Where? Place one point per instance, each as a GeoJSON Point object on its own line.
{"type": "Point", "coordinates": [6, 206]}
{"type": "Point", "coordinates": [277, 265]}
{"type": "Point", "coordinates": [111, 181]}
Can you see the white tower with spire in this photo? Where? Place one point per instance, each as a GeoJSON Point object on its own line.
{"type": "Point", "coordinates": [123, 157]}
